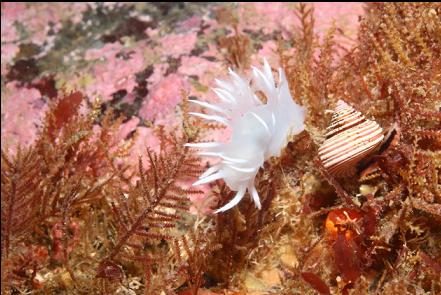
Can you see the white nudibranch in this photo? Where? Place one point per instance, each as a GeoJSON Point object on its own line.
{"type": "Point", "coordinates": [259, 130]}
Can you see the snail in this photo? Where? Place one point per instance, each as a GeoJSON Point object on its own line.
{"type": "Point", "coordinates": [349, 139]}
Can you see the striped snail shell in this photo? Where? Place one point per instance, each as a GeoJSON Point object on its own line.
{"type": "Point", "coordinates": [350, 137]}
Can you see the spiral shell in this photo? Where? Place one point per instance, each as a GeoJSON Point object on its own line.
{"type": "Point", "coordinates": [349, 138]}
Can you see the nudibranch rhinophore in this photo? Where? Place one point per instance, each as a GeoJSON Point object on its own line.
{"type": "Point", "coordinates": [260, 129]}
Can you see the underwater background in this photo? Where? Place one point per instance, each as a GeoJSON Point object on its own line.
{"type": "Point", "coordinates": [96, 181]}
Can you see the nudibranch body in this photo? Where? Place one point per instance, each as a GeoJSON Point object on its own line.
{"type": "Point", "coordinates": [260, 130]}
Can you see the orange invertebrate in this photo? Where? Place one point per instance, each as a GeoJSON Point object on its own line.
{"type": "Point", "coordinates": [342, 221]}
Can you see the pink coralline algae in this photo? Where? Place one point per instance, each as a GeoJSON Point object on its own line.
{"type": "Point", "coordinates": [175, 45]}
{"type": "Point", "coordinates": [267, 16]}
{"type": "Point", "coordinates": [268, 50]}
{"type": "Point", "coordinates": [281, 16]}
{"type": "Point", "coordinates": [8, 53]}
{"type": "Point", "coordinates": [343, 15]}
{"type": "Point", "coordinates": [191, 23]}
{"type": "Point", "coordinates": [188, 66]}
{"type": "Point", "coordinates": [112, 72]}
{"type": "Point", "coordinates": [163, 97]}
{"type": "Point", "coordinates": [11, 13]}
{"type": "Point", "coordinates": [40, 20]}
{"type": "Point", "coordinates": [159, 70]}
{"type": "Point", "coordinates": [107, 51]}
{"type": "Point", "coordinates": [127, 128]}
{"type": "Point", "coordinates": [146, 138]}
{"type": "Point", "coordinates": [22, 110]}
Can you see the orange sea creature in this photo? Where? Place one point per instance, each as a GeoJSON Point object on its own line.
{"type": "Point", "coordinates": [342, 221]}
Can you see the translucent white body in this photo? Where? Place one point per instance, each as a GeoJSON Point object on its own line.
{"type": "Point", "coordinates": [259, 130]}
